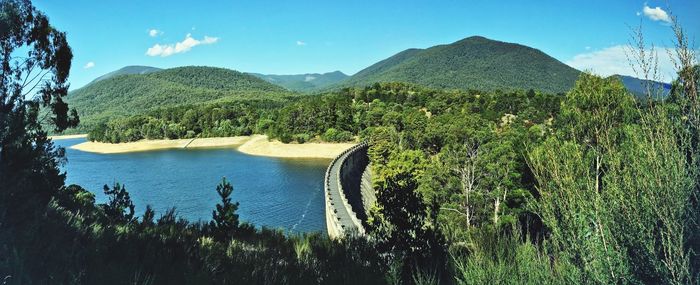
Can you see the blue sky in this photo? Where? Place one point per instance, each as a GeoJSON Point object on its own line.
{"type": "Point", "coordinates": [291, 37]}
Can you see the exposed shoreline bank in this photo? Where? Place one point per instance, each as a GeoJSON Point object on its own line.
{"type": "Point", "coordinates": [148, 145]}
{"type": "Point", "coordinates": [253, 145]}
{"type": "Point", "coordinates": [65, 137]}
{"type": "Point", "coordinates": [262, 146]}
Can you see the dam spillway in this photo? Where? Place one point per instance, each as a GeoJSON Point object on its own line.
{"type": "Point", "coordinates": [348, 192]}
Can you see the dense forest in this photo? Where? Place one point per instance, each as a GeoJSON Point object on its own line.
{"type": "Point", "coordinates": [517, 187]}
{"type": "Point", "coordinates": [337, 116]}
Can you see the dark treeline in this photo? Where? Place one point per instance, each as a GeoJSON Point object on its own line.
{"type": "Point", "coordinates": [472, 187]}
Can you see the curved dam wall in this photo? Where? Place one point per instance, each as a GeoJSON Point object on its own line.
{"type": "Point", "coordinates": [348, 192]}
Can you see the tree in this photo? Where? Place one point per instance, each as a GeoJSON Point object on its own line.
{"type": "Point", "coordinates": [28, 159]}
{"type": "Point", "coordinates": [119, 209]}
{"type": "Point", "coordinates": [225, 219]}
{"type": "Point", "coordinates": [403, 224]}
{"type": "Point", "coordinates": [468, 154]}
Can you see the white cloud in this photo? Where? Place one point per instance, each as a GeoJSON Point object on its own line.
{"type": "Point", "coordinates": [154, 32]}
{"type": "Point", "coordinates": [656, 14]}
{"type": "Point", "coordinates": [301, 43]}
{"type": "Point", "coordinates": [184, 46]}
{"type": "Point", "coordinates": [89, 65]}
{"type": "Point", "coordinates": [613, 60]}
{"type": "Point", "coordinates": [209, 40]}
{"type": "Point", "coordinates": [309, 78]}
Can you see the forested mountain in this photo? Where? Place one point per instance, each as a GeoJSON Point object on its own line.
{"type": "Point", "coordinates": [638, 87]}
{"type": "Point", "coordinates": [472, 63]}
{"type": "Point", "coordinates": [135, 93]}
{"type": "Point", "coordinates": [308, 82]}
{"type": "Point", "coordinates": [131, 69]}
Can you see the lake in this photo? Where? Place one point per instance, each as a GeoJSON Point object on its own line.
{"type": "Point", "coordinates": [272, 192]}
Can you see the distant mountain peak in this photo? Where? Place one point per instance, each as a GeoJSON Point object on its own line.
{"type": "Point", "coordinates": [474, 62]}
{"type": "Point", "coordinates": [129, 69]}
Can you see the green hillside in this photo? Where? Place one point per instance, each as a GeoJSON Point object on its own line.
{"type": "Point", "coordinates": [308, 82]}
{"type": "Point", "coordinates": [135, 93]}
{"type": "Point", "coordinates": [472, 63]}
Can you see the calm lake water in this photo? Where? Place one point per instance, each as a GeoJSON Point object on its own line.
{"type": "Point", "coordinates": [273, 192]}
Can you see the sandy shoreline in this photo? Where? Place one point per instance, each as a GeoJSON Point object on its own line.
{"type": "Point", "coordinates": [260, 145]}
{"type": "Point", "coordinates": [146, 145]}
{"type": "Point", "coordinates": [253, 145]}
{"type": "Point", "coordinates": [65, 137]}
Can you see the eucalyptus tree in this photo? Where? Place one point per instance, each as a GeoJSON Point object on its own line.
{"type": "Point", "coordinates": [35, 60]}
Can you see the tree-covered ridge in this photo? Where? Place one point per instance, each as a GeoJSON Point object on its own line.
{"type": "Point", "coordinates": [308, 82]}
{"type": "Point", "coordinates": [137, 93]}
{"type": "Point", "coordinates": [132, 69]}
{"type": "Point", "coordinates": [472, 63]}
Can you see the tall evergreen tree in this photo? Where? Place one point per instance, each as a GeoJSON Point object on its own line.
{"type": "Point", "coordinates": [225, 219]}
{"type": "Point", "coordinates": [120, 208]}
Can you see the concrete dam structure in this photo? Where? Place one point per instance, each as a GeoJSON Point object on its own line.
{"type": "Point", "coordinates": [348, 192]}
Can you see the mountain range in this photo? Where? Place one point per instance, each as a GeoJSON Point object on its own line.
{"type": "Point", "coordinates": [472, 63]}
{"type": "Point", "coordinates": [308, 82]}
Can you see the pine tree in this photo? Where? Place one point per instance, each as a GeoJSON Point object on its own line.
{"type": "Point", "coordinates": [120, 208]}
{"type": "Point", "coordinates": [225, 219]}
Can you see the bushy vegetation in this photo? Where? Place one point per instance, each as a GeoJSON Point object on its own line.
{"type": "Point", "coordinates": [472, 63]}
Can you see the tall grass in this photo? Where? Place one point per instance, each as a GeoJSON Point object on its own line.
{"type": "Point", "coordinates": [510, 259]}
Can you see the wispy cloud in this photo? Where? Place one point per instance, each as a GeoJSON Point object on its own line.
{"type": "Point", "coordinates": [656, 14]}
{"type": "Point", "coordinates": [613, 60]}
{"type": "Point", "coordinates": [89, 65]}
{"type": "Point", "coordinates": [154, 32]}
{"type": "Point", "coordinates": [301, 43]}
{"type": "Point", "coordinates": [180, 47]}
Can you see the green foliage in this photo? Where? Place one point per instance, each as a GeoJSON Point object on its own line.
{"type": "Point", "coordinates": [119, 209]}
{"type": "Point", "coordinates": [225, 220]}
{"type": "Point", "coordinates": [213, 120]}
{"type": "Point", "coordinates": [472, 63]}
{"type": "Point", "coordinates": [29, 175]}
{"type": "Point", "coordinates": [624, 186]}
{"type": "Point", "coordinates": [333, 135]}
{"type": "Point", "coordinates": [401, 224]}
{"type": "Point", "coordinates": [497, 259]}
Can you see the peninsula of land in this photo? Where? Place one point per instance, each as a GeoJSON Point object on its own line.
{"type": "Point", "coordinates": [254, 145]}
